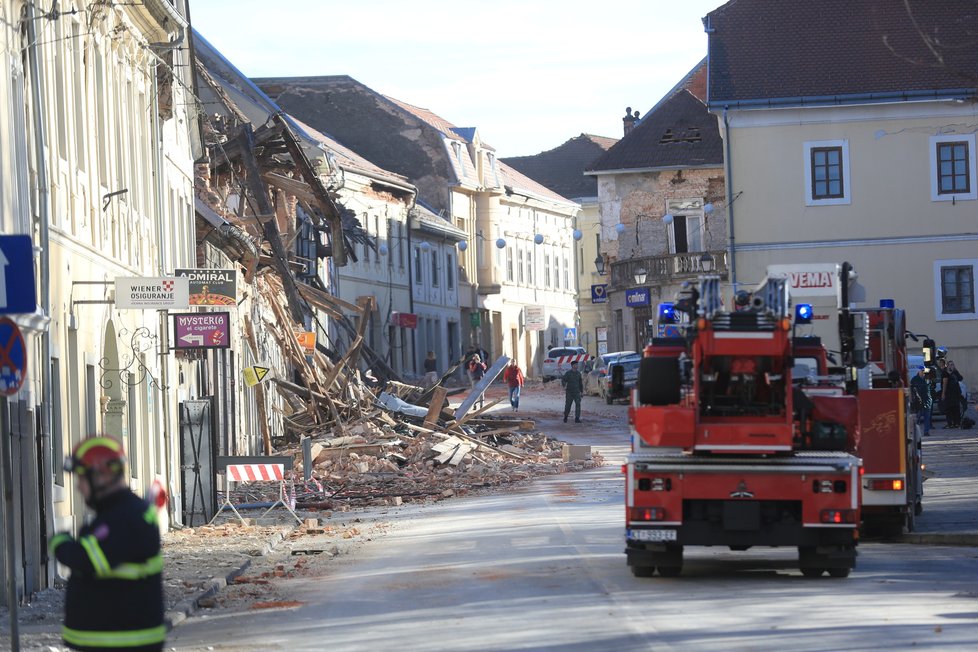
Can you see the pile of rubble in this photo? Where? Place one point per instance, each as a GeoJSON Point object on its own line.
{"type": "Point", "coordinates": [394, 458]}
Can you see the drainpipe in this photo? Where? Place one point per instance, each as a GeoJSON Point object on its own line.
{"type": "Point", "coordinates": [731, 241]}
{"type": "Point", "coordinates": [45, 303]}
{"type": "Point", "coordinates": [157, 161]}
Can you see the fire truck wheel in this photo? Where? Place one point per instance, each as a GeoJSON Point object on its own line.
{"type": "Point", "coordinates": [808, 571]}
{"type": "Point", "coordinates": [839, 572]}
{"type": "Point", "coordinates": [670, 571]}
{"type": "Point", "coordinates": [643, 571]}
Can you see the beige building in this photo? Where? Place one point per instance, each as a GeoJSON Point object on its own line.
{"type": "Point", "coordinates": [853, 153]}
{"type": "Point", "coordinates": [562, 170]}
{"type": "Point", "coordinates": [98, 171]}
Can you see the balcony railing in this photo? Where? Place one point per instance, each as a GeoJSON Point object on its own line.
{"type": "Point", "coordinates": [666, 269]}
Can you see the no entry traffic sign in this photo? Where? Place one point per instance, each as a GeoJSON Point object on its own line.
{"type": "Point", "coordinates": [13, 358]}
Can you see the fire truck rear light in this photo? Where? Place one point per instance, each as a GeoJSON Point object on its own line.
{"type": "Point", "coordinates": [648, 513]}
{"type": "Point", "coordinates": [838, 516]}
{"type": "Point", "coordinates": [886, 485]}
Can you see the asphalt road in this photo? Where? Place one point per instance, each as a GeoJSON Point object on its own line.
{"type": "Point", "coordinates": [542, 567]}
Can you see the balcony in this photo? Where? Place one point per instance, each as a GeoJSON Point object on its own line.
{"type": "Point", "coordinates": [666, 269]}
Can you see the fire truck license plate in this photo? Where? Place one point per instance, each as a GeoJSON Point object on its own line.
{"type": "Point", "coordinates": [652, 535]}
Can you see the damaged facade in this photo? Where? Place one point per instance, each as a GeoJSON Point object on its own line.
{"type": "Point", "coordinates": [517, 250]}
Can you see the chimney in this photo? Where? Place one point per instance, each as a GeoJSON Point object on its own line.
{"type": "Point", "coordinates": [629, 120]}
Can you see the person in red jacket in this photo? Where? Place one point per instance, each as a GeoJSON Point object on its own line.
{"type": "Point", "coordinates": [514, 379]}
{"type": "Point", "coordinates": [114, 598]}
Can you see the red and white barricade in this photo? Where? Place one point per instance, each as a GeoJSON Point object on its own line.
{"type": "Point", "coordinates": [256, 472]}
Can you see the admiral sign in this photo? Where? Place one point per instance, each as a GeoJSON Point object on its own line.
{"type": "Point", "coordinates": [152, 293]}
{"type": "Point", "coordinates": [202, 330]}
{"type": "Point", "coordinates": [211, 287]}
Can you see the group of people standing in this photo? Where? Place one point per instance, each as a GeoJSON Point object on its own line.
{"type": "Point", "coordinates": [943, 383]}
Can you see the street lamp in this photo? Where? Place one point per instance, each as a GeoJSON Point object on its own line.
{"type": "Point", "coordinates": [599, 264]}
{"type": "Point", "coordinates": [640, 275]}
{"type": "Point", "coordinates": [706, 262]}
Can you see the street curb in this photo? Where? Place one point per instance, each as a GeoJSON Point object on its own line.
{"type": "Point", "coordinates": [189, 606]}
{"type": "Point", "coordinates": [940, 538]}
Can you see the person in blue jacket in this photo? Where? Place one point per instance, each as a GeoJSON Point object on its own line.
{"type": "Point", "coordinates": [114, 598]}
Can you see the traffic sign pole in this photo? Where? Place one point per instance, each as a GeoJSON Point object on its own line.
{"type": "Point", "coordinates": [8, 510]}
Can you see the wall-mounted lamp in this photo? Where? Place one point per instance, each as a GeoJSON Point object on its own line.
{"type": "Point", "coordinates": [500, 243]}
{"type": "Point", "coordinates": [462, 245]}
{"type": "Point", "coordinates": [667, 218]}
{"type": "Point", "coordinates": [706, 262]}
{"type": "Point", "coordinates": [599, 264]}
{"type": "Point", "coordinates": [640, 275]}
{"type": "Point", "coordinates": [708, 208]}
{"type": "Point", "coordinates": [578, 234]}
{"type": "Point", "coordinates": [537, 239]}
{"type": "Point", "coordinates": [425, 245]}
{"type": "Point", "coordinates": [620, 228]}
{"type": "Point", "coordinates": [382, 249]}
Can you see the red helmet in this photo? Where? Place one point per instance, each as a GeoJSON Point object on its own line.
{"type": "Point", "coordinates": [98, 453]}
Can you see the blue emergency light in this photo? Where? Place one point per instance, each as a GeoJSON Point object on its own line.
{"type": "Point", "coordinates": [887, 303]}
{"type": "Point", "coordinates": [667, 313]}
{"type": "Point", "coordinates": [803, 313]}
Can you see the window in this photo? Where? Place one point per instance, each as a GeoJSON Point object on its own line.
{"type": "Point", "coordinates": [556, 271]}
{"type": "Point", "coordinates": [520, 275]}
{"type": "Point", "coordinates": [827, 173]}
{"type": "Point", "coordinates": [529, 267]}
{"type": "Point", "coordinates": [566, 274]}
{"type": "Point", "coordinates": [546, 270]}
{"type": "Point", "coordinates": [957, 289]}
{"type": "Point", "coordinates": [57, 429]}
{"type": "Point", "coordinates": [952, 163]}
{"type": "Point", "coordinates": [418, 270]}
{"type": "Point", "coordinates": [509, 264]}
{"type": "Point", "coordinates": [434, 269]}
{"type": "Point", "coordinates": [449, 272]}
{"type": "Point", "coordinates": [685, 234]}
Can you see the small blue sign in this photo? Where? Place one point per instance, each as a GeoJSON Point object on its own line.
{"type": "Point", "coordinates": [570, 333]}
{"type": "Point", "coordinates": [13, 358]}
{"type": "Point", "coordinates": [17, 294]}
{"type": "Point", "coordinates": [638, 297]}
{"type": "Point", "coordinates": [599, 293]}
{"type": "Point", "coordinates": [669, 330]}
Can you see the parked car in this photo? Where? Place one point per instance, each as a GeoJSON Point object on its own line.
{"type": "Point", "coordinates": [559, 360]}
{"type": "Point", "coordinates": [599, 369]}
{"type": "Point", "coordinates": [630, 379]}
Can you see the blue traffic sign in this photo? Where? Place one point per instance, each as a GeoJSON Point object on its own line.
{"type": "Point", "coordinates": [17, 294]}
{"type": "Point", "coordinates": [13, 358]}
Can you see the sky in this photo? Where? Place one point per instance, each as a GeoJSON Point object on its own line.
{"type": "Point", "coordinates": [528, 74]}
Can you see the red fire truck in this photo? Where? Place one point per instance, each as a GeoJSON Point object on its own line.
{"type": "Point", "coordinates": [872, 345]}
{"type": "Point", "coordinates": [726, 451]}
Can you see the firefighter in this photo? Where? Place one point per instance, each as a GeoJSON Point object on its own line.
{"type": "Point", "coordinates": [114, 598]}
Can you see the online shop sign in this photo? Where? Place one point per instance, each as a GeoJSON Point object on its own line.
{"type": "Point", "coordinates": [152, 293]}
{"type": "Point", "coordinates": [202, 330]}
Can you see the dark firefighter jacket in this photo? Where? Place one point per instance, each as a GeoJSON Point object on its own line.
{"type": "Point", "coordinates": [114, 597]}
